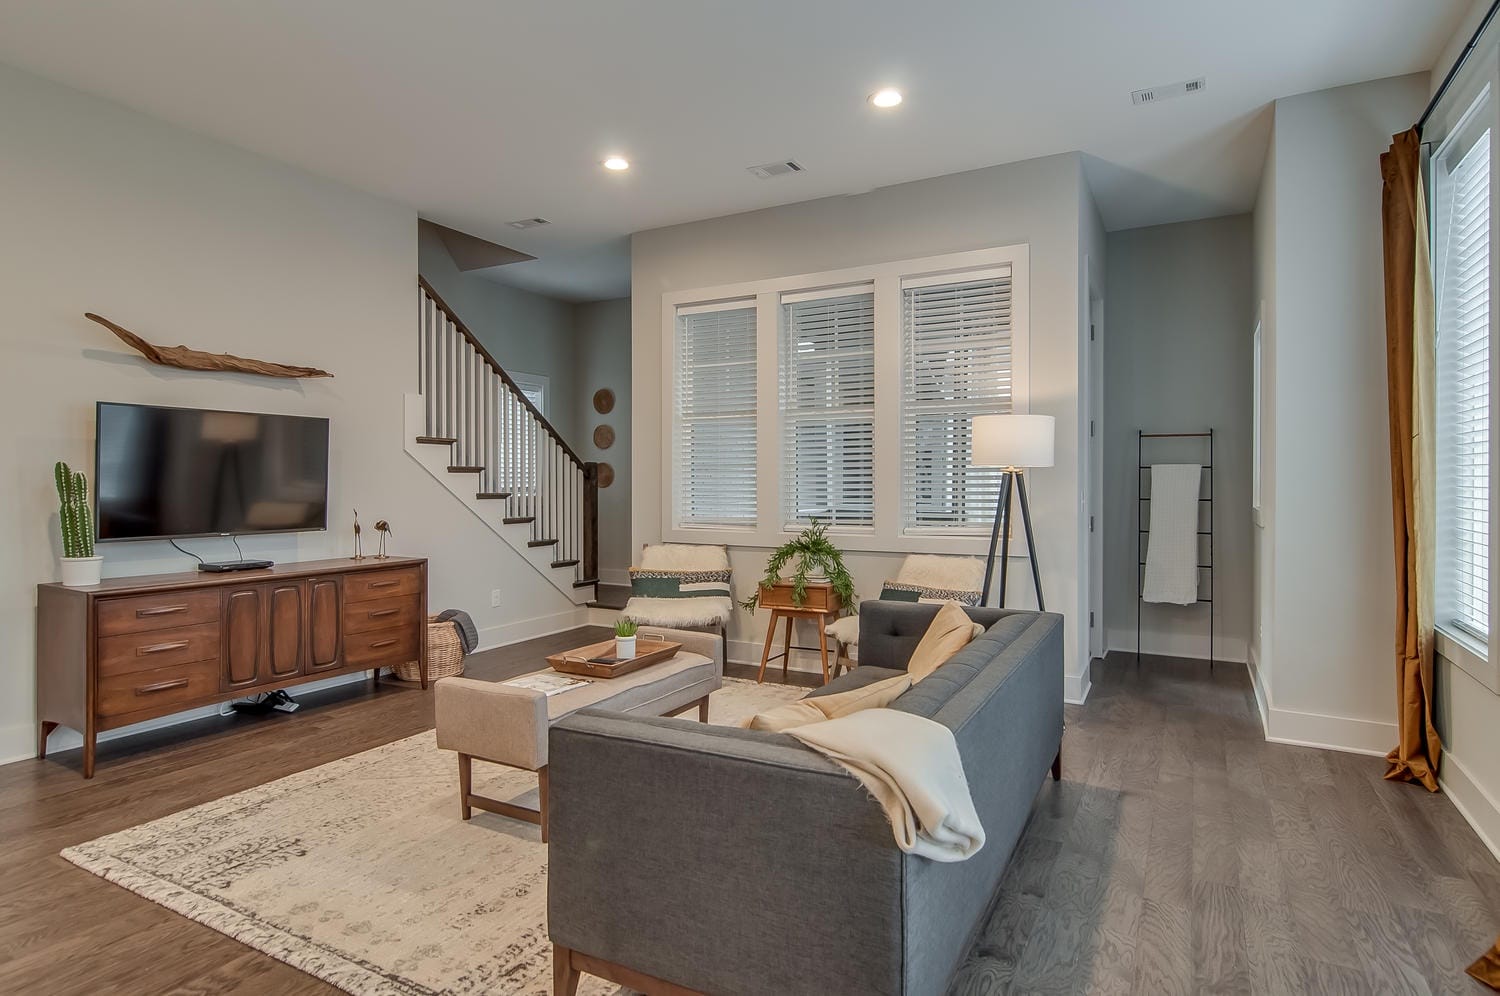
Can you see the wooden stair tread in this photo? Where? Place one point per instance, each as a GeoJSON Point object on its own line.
{"type": "Point", "coordinates": [465, 470]}
{"type": "Point", "coordinates": [585, 582]}
{"type": "Point", "coordinates": [486, 495]}
{"type": "Point", "coordinates": [436, 440]}
{"type": "Point", "coordinates": [541, 542]}
{"type": "Point", "coordinates": [516, 520]}
{"type": "Point", "coordinates": [565, 563]}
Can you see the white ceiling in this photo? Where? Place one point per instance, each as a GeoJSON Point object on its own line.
{"type": "Point", "coordinates": [478, 112]}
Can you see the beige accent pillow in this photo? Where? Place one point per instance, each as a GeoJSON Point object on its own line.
{"type": "Point", "coordinates": [876, 695]}
{"type": "Point", "coordinates": [950, 631]}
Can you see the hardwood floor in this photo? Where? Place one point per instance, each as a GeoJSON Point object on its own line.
{"type": "Point", "coordinates": [1180, 853]}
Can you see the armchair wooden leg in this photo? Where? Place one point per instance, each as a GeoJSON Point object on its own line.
{"type": "Point", "coordinates": [465, 784]}
{"type": "Point", "coordinates": [564, 975]}
{"type": "Point", "coordinates": [703, 709]}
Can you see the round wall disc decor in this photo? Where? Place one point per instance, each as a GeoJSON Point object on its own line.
{"type": "Point", "coordinates": [606, 475]}
{"type": "Point", "coordinates": [604, 437]}
{"type": "Point", "coordinates": [604, 401]}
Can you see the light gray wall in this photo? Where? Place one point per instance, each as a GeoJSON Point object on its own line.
{"type": "Point", "coordinates": [1179, 313]}
{"type": "Point", "coordinates": [1328, 652]}
{"type": "Point", "coordinates": [1035, 202]}
{"type": "Point", "coordinates": [602, 331]}
{"type": "Point", "coordinates": [526, 332]}
{"type": "Point", "coordinates": [186, 239]}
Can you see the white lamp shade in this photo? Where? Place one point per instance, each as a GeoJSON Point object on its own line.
{"type": "Point", "coordinates": [1013, 440]}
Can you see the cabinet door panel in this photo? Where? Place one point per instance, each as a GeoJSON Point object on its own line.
{"type": "Point", "coordinates": [244, 629]}
{"type": "Point", "coordinates": [284, 642]}
{"type": "Point", "coordinates": [324, 639]}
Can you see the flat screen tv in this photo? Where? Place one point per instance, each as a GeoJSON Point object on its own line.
{"type": "Point", "coordinates": [165, 473]}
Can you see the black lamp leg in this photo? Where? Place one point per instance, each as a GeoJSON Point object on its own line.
{"type": "Point", "coordinates": [1036, 573]}
{"type": "Point", "coordinates": [1002, 513]}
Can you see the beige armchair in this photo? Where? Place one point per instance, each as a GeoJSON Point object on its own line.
{"type": "Point", "coordinates": [923, 578]}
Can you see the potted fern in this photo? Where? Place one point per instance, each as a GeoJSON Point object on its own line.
{"type": "Point", "coordinates": [625, 639]}
{"type": "Point", "coordinates": [80, 568]}
{"type": "Point", "coordinates": [818, 560]}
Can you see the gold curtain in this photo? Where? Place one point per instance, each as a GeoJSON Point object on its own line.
{"type": "Point", "coordinates": [1410, 358]}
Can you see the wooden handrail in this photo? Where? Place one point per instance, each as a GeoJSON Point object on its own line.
{"type": "Point", "coordinates": [498, 369]}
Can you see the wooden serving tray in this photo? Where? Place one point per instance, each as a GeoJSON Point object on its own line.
{"type": "Point", "coordinates": [647, 652]}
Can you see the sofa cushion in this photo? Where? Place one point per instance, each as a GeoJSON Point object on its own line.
{"type": "Point", "coordinates": [933, 693]}
{"type": "Point", "coordinates": [949, 632]}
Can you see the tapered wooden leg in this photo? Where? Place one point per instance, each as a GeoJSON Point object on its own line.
{"type": "Point", "coordinates": [465, 783]}
{"type": "Point", "coordinates": [564, 975]}
{"type": "Point", "coordinates": [41, 741]}
{"type": "Point", "coordinates": [541, 800]}
{"type": "Point", "coordinates": [1057, 766]}
{"type": "Point", "coordinates": [786, 649]}
{"type": "Point", "coordinates": [823, 645]}
{"type": "Point", "coordinates": [90, 739]}
{"type": "Point", "coordinates": [765, 654]}
{"type": "Point", "coordinates": [703, 709]}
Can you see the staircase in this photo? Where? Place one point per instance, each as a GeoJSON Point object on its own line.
{"type": "Point", "coordinates": [474, 431]}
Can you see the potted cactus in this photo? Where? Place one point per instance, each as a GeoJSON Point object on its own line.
{"type": "Point", "coordinates": [80, 567]}
{"type": "Point", "coordinates": [625, 639]}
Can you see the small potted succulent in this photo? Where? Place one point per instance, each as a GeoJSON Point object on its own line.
{"type": "Point", "coordinates": [625, 639]}
{"type": "Point", "coordinates": [818, 561]}
{"type": "Point", "coordinates": [80, 568]}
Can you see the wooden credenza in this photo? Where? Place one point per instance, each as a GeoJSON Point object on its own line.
{"type": "Point", "coordinates": [133, 649]}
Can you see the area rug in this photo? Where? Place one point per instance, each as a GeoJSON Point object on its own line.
{"type": "Point", "coordinates": [361, 873]}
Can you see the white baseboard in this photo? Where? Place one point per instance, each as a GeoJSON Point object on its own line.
{"type": "Point", "coordinates": [1076, 687]}
{"type": "Point", "coordinates": [1257, 683]}
{"type": "Point", "coordinates": [1473, 801]}
{"type": "Point", "coordinates": [1192, 646]}
{"type": "Point", "coordinates": [529, 629]}
{"type": "Point", "coordinates": [1343, 733]}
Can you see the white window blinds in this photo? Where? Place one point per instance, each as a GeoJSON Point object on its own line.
{"type": "Point", "coordinates": [956, 364]}
{"type": "Point", "coordinates": [828, 406]}
{"type": "Point", "coordinates": [715, 415]}
{"type": "Point", "coordinates": [1461, 179]}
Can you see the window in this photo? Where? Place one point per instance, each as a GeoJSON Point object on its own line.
{"type": "Point", "coordinates": [715, 414]}
{"type": "Point", "coordinates": [845, 396]}
{"type": "Point", "coordinates": [955, 364]}
{"type": "Point", "coordinates": [827, 363]}
{"type": "Point", "coordinates": [534, 387]}
{"type": "Point", "coordinates": [1461, 266]}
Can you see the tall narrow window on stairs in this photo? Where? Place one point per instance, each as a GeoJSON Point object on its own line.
{"type": "Point", "coordinates": [714, 415]}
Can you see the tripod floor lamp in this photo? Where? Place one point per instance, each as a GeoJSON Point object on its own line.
{"type": "Point", "coordinates": [1012, 442]}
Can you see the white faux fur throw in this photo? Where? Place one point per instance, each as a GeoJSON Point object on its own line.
{"type": "Point", "coordinates": [911, 765]}
{"type": "Point", "coordinates": [927, 570]}
{"type": "Point", "coordinates": [684, 557]}
{"type": "Point", "coordinates": [678, 613]}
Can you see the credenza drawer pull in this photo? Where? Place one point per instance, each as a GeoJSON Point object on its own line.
{"type": "Point", "coordinates": [160, 610]}
{"type": "Point", "coordinates": [385, 584]}
{"type": "Point", "coordinates": [383, 612]}
{"type": "Point", "coordinates": [161, 686]}
{"type": "Point", "coordinates": [383, 643]}
{"type": "Point", "coordinates": [161, 648]}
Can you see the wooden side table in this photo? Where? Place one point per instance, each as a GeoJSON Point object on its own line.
{"type": "Point", "coordinates": [820, 604]}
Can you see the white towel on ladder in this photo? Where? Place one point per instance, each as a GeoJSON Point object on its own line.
{"type": "Point", "coordinates": [1172, 546]}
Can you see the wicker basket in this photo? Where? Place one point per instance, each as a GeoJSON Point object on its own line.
{"type": "Point", "coordinates": [445, 653]}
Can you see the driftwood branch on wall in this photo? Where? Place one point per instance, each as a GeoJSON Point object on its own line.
{"type": "Point", "coordinates": [196, 359]}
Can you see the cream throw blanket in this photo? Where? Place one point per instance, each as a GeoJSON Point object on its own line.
{"type": "Point", "coordinates": [912, 768]}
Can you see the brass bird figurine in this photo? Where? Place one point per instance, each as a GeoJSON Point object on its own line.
{"type": "Point", "coordinates": [384, 529]}
{"type": "Point", "coordinates": [359, 553]}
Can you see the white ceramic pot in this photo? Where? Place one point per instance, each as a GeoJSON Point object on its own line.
{"type": "Point", "coordinates": [80, 572]}
{"type": "Point", "coordinates": [625, 648]}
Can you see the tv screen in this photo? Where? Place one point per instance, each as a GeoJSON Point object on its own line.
{"type": "Point", "coordinates": [171, 472]}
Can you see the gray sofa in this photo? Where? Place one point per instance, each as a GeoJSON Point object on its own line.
{"type": "Point", "coordinates": [729, 861]}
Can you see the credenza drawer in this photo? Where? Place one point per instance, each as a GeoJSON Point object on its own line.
{"type": "Point", "coordinates": [366, 585]}
{"type": "Point", "coordinates": [399, 612]}
{"type": "Point", "coordinates": [164, 610]}
{"type": "Point", "coordinates": [382, 648]}
{"type": "Point", "coordinates": [163, 688]}
{"type": "Point", "coordinates": [158, 648]}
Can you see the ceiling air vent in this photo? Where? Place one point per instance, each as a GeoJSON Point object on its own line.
{"type": "Point", "coordinates": [767, 170]}
{"type": "Point", "coordinates": [528, 223]}
{"type": "Point", "coordinates": [1157, 94]}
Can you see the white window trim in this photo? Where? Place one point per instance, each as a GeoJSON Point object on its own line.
{"type": "Point", "coordinates": [527, 381]}
{"type": "Point", "coordinates": [886, 536]}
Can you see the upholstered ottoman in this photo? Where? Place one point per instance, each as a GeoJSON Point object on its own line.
{"type": "Point", "coordinates": [508, 725]}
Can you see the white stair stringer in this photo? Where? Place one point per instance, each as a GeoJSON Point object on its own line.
{"type": "Point", "coordinates": [436, 460]}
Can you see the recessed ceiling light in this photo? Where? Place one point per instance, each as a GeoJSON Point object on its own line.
{"type": "Point", "coordinates": [889, 97]}
{"type": "Point", "coordinates": [617, 163]}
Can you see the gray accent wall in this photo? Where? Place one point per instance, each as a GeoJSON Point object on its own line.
{"type": "Point", "coordinates": [602, 339]}
{"type": "Point", "coordinates": [1179, 315]}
